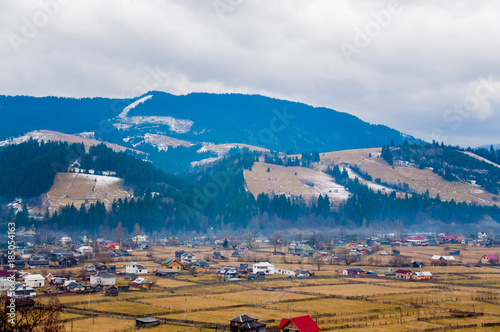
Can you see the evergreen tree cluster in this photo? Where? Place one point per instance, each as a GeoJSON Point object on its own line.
{"type": "Point", "coordinates": [29, 169]}
{"type": "Point", "coordinates": [451, 163]}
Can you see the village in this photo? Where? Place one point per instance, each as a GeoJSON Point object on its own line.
{"type": "Point", "coordinates": [178, 283]}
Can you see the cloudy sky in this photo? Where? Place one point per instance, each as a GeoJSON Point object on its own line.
{"type": "Point", "coordinates": [428, 68]}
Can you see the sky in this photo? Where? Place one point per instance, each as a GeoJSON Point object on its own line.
{"type": "Point", "coordinates": [430, 69]}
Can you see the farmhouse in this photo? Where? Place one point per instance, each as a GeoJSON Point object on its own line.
{"type": "Point", "coordinates": [299, 324]}
{"type": "Point", "coordinates": [85, 250]}
{"type": "Point", "coordinates": [171, 263]}
{"type": "Point", "coordinates": [247, 324]}
{"type": "Point", "coordinates": [102, 278]}
{"type": "Point", "coordinates": [424, 275]}
{"type": "Point", "coordinates": [257, 276]}
{"type": "Point", "coordinates": [265, 267]}
{"type": "Point", "coordinates": [34, 280]}
{"type": "Point", "coordinates": [489, 259]}
{"type": "Point", "coordinates": [111, 291]}
{"type": "Point", "coordinates": [112, 246]}
{"type": "Point", "coordinates": [188, 257]}
{"type": "Point", "coordinates": [442, 260]}
{"type": "Point", "coordinates": [24, 291]}
{"type": "Point", "coordinates": [134, 268]}
{"type": "Point", "coordinates": [167, 273]}
{"type": "Point", "coordinates": [404, 274]}
{"type": "Point", "coordinates": [354, 272]}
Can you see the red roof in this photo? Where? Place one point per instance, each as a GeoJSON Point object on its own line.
{"type": "Point", "coordinates": [491, 256]}
{"type": "Point", "coordinates": [303, 324]}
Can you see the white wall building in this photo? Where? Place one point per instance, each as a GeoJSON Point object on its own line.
{"type": "Point", "coordinates": [265, 267]}
{"type": "Point", "coordinates": [34, 280]}
{"type": "Point", "coordinates": [102, 278]}
{"type": "Point", "coordinates": [85, 250]}
{"type": "Point", "coordinates": [135, 268]}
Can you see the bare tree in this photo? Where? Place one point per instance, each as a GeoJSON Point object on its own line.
{"type": "Point", "coordinates": [31, 316]}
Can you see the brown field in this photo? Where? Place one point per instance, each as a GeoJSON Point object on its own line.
{"type": "Point", "coordinates": [351, 304]}
{"type": "Point", "coordinates": [311, 182]}
{"type": "Point", "coordinates": [75, 188]}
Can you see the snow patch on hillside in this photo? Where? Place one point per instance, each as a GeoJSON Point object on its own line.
{"type": "Point", "coordinates": [125, 111]}
{"type": "Point", "coordinates": [162, 142]}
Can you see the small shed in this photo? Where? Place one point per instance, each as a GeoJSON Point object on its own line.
{"type": "Point", "coordinates": [111, 291]}
{"type": "Point", "coordinates": [146, 322]}
{"type": "Point", "coordinates": [167, 273]}
{"type": "Point", "coordinates": [257, 276]}
{"type": "Point", "coordinates": [246, 323]}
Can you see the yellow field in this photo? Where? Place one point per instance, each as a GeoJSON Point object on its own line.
{"type": "Point", "coordinates": [351, 304]}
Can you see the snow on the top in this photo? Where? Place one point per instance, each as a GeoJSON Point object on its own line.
{"type": "Point", "coordinates": [35, 135]}
{"type": "Point", "coordinates": [125, 111]}
{"type": "Point", "coordinates": [179, 126]}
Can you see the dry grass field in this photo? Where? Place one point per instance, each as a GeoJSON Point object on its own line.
{"type": "Point", "coordinates": [311, 182]}
{"type": "Point", "coordinates": [76, 188]}
{"type": "Point", "coordinates": [460, 296]}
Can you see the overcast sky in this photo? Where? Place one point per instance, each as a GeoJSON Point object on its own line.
{"type": "Point", "coordinates": [428, 68]}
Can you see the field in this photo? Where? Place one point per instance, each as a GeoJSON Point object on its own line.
{"type": "Point", "coordinates": [76, 188]}
{"type": "Point", "coordinates": [311, 182]}
{"type": "Point", "coordinates": [462, 296]}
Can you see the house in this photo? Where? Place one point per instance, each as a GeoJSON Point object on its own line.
{"type": "Point", "coordinates": [354, 272]}
{"type": "Point", "coordinates": [167, 273]}
{"type": "Point", "coordinates": [455, 253]}
{"type": "Point", "coordinates": [171, 263]}
{"type": "Point", "coordinates": [188, 257]}
{"type": "Point", "coordinates": [179, 253]}
{"type": "Point", "coordinates": [74, 286]}
{"type": "Point", "coordinates": [261, 239]}
{"type": "Point", "coordinates": [65, 241]}
{"type": "Point", "coordinates": [442, 260]}
{"type": "Point", "coordinates": [135, 268]}
{"type": "Point", "coordinates": [34, 280]}
{"type": "Point", "coordinates": [146, 322]}
{"type": "Point", "coordinates": [404, 274]}
{"type": "Point", "coordinates": [83, 250]}
{"type": "Point", "coordinates": [140, 281]}
{"type": "Point", "coordinates": [101, 267]}
{"type": "Point", "coordinates": [112, 268]}
{"type": "Point", "coordinates": [6, 278]}
{"type": "Point", "coordinates": [416, 264]}
{"type": "Point", "coordinates": [489, 259]}
{"type": "Point", "coordinates": [424, 275]}
{"type": "Point", "coordinates": [197, 269]}
{"type": "Point", "coordinates": [257, 276]}
{"type": "Point", "coordinates": [216, 255]}
{"type": "Point", "coordinates": [140, 239]}
{"type": "Point", "coordinates": [123, 288]}
{"type": "Point", "coordinates": [302, 273]}
{"type": "Point", "coordinates": [38, 262]}
{"type": "Point", "coordinates": [299, 324]}
{"type": "Point", "coordinates": [203, 263]}
{"type": "Point", "coordinates": [265, 267]}
{"type": "Point", "coordinates": [112, 246]}
{"type": "Point", "coordinates": [102, 278]}
{"type": "Point", "coordinates": [24, 291]}
{"type": "Point", "coordinates": [247, 324]}
{"type": "Point", "coordinates": [111, 291]}
{"type": "Point", "coordinates": [227, 272]}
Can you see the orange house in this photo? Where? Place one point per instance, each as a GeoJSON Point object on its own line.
{"type": "Point", "coordinates": [171, 263]}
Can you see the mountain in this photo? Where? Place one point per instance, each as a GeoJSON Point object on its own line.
{"type": "Point", "coordinates": [162, 120]}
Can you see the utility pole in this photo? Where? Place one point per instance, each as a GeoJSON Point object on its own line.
{"type": "Point", "coordinates": [185, 306]}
